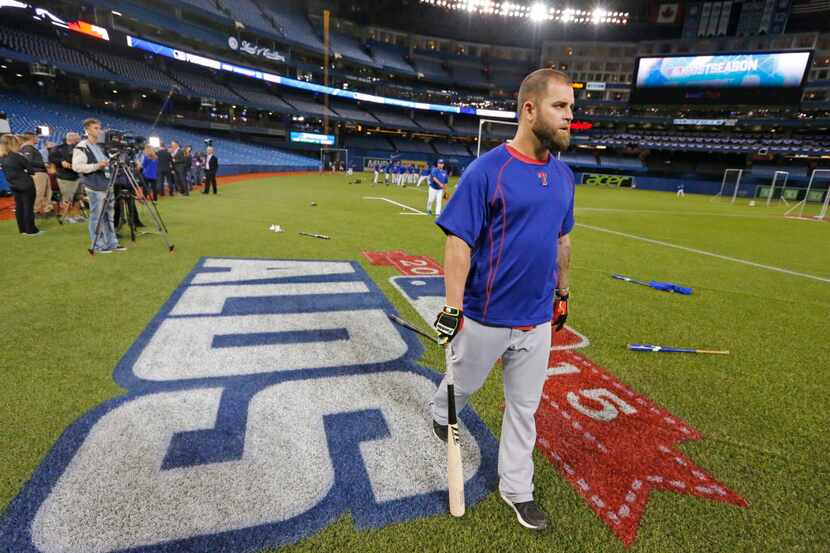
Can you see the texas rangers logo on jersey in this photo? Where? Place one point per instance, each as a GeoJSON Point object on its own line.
{"type": "Point", "coordinates": [266, 399]}
{"type": "Point", "coordinates": [543, 178]}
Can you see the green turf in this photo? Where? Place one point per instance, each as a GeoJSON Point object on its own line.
{"type": "Point", "coordinates": [67, 319]}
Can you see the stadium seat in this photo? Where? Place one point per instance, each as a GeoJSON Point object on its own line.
{"type": "Point", "coordinates": [25, 113]}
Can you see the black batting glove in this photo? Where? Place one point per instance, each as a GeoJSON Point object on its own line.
{"type": "Point", "coordinates": [560, 308]}
{"type": "Point", "coordinates": [448, 324]}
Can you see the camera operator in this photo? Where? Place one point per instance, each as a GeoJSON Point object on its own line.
{"type": "Point", "coordinates": [177, 155]}
{"type": "Point", "coordinates": [211, 166]}
{"type": "Point", "coordinates": [61, 157]}
{"type": "Point", "coordinates": [89, 161]}
{"type": "Point", "coordinates": [18, 173]}
{"type": "Point", "coordinates": [165, 170]}
{"type": "Point", "coordinates": [43, 192]}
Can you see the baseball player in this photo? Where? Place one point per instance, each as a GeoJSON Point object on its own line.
{"type": "Point", "coordinates": [506, 265]}
{"type": "Point", "coordinates": [376, 171]}
{"type": "Point", "coordinates": [437, 185]}
{"type": "Point", "coordinates": [400, 169]}
{"type": "Point", "coordinates": [424, 176]}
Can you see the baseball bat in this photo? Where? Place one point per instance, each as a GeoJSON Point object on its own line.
{"type": "Point", "coordinates": [656, 284]}
{"type": "Point", "coordinates": [455, 468]}
{"type": "Point", "coordinates": [314, 235]}
{"type": "Point", "coordinates": [668, 349]}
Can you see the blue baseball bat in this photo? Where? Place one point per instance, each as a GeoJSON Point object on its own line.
{"type": "Point", "coordinates": [656, 284]}
{"type": "Point", "coordinates": [667, 349]}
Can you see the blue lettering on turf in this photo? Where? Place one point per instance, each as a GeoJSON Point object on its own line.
{"type": "Point", "coordinates": [225, 441]}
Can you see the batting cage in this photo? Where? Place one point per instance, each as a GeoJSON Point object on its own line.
{"type": "Point", "coordinates": [334, 159]}
{"type": "Point", "coordinates": [492, 132]}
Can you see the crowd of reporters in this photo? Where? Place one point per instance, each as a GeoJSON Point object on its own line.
{"type": "Point", "coordinates": [70, 180]}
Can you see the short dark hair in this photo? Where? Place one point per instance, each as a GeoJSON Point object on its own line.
{"type": "Point", "coordinates": [536, 83]}
{"type": "Point", "coordinates": [91, 121]}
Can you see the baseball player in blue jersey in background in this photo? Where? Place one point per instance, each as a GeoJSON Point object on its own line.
{"type": "Point", "coordinates": [506, 265]}
{"type": "Point", "coordinates": [424, 176]}
{"type": "Point", "coordinates": [437, 186]}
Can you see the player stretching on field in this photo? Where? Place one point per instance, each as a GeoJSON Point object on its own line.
{"type": "Point", "coordinates": [506, 274]}
{"type": "Point", "coordinates": [437, 185]}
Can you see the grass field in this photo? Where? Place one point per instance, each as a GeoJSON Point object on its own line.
{"type": "Point", "coordinates": [67, 318]}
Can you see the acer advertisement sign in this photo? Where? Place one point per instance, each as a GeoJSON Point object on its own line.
{"type": "Point", "coordinates": [613, 181]}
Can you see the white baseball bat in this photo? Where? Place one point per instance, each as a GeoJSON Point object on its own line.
{"type": "Point", "coordinates": [455, 470]}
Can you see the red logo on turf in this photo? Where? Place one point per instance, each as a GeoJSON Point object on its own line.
{"type": "Point", "coordinates": [613, 445]}
{"type": "Point", "coordinates": [410, 265]}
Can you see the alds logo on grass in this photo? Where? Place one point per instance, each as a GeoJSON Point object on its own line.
{"type": "Point", "coordinates": [267, 399]}
{"type": "Point", "coordinates": [612, 444]}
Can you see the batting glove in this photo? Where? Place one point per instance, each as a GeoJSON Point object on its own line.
{"type": "Point", "coordinates": [448, 324]}
{"type": "Point", "coordinates": [560, 308]}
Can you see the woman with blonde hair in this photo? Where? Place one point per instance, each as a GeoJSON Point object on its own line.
{"type": "Point", "coordinates": [19, 174]}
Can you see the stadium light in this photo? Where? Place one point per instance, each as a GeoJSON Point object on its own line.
{"type": "Point", "coordinates": [154, 141]}
{"type": "Point", "coordinates": [538, 12]}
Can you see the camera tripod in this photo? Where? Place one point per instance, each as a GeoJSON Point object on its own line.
{"type": "Point", "coordinates": [119, 166]}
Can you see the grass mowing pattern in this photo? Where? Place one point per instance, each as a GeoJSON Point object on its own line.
{"type": "Point", "coordinates": [68, 318]}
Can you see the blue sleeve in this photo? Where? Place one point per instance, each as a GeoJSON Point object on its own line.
{"type": "Point", "coordinates": [568, 222]}
{"type": "Point", "coordinates": [466, 211]}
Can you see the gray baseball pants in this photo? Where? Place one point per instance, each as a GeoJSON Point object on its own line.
{"type": "Point", "coordinates": [524, 355]}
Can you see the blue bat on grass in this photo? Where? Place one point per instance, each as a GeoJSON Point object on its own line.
{"type": "Point", "coordinates": [667, 349]}
{"type": "Point", "coordinates": [657, 285]}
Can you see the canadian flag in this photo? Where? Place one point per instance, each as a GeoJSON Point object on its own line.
{"type": "Point", "coordinates": [668, 13]}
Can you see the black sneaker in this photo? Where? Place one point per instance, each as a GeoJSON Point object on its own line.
{"type": "Point", "coordinates": [440, 431]}
{"type": "Point", "coordinates": [529, 514]}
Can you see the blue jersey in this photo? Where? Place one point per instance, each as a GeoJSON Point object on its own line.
{"type": "Point", "coordinates": [440, 176]}
{"type": "Point", "coordinates": [511, 211]}
{"type": "Point", "coordinates": [426, 171]}
{"type": "Point", "coordinates": [387, 169]}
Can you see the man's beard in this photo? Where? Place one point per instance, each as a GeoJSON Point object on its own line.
{"type": "Point", "coordinates": [552, 139]}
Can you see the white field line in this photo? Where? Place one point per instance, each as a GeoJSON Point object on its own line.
{"type": "Point", "coordinates": [696, 213]}
{"type": "Point", "coordinates": [394, 202]}
{"type": "Point", "coordinates": [703, 252]}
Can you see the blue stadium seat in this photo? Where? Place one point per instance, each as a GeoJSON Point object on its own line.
{"type": "Point", "coordinates": [348, 47]}
{"type": "Point", "coordinates": [445, 148]}
{"type": "Point", "coordinates": [368, 143]}
{"type": "Point", "coordinates": [293, 26]}
{"type": "Point", "coordinates": [391, 58]}
{"type": "Point", "coordinates": [26, 113]}
{"type": "Point", "coordinates": [412, 146]}
{"type": "Point", "coordinates": [42, 49]}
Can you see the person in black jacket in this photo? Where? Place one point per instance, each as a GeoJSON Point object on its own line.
{"type": "Point", "coordinates": [61, 157]}
{"type": "Point", "coordinates": [188, 167]}
{"type": "Point", "coordinates": [165, 170]}
{"type": "Point", "coordinates": [177, 154]}
{"type": "Point", "coordinates": [19, 174]}
{"type": "Point", "coordinates": [211, 166]}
